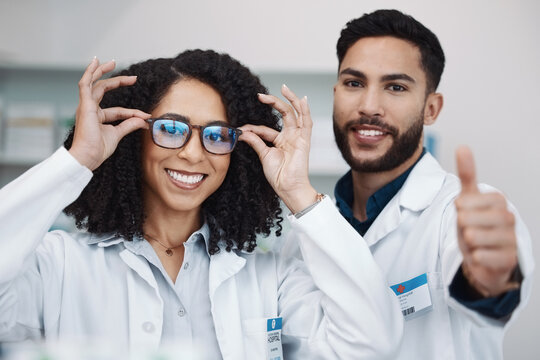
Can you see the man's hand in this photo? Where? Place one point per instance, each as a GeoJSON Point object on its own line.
{"type": "Point", "coordinates": [486, 233]}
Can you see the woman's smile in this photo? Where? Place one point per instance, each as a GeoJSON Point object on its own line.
{"type": "Point", "coordinates": [185, 180]}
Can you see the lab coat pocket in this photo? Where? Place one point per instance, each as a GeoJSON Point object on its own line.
{"type": "Point", "coordinates": [255, 338]}
{"type": "Point", "coordinates": [436, 293]}
{"type": "Point", "coordinates": [262, 338]}
{"type": "Point", "coordinates": [439, 319]}
{"type": "Point", "coordinates": [436, 289]}
{"type": "Point", "coordinates": [433, 323]}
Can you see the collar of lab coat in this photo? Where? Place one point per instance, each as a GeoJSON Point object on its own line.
{"type": "Point", "coordinates": [111, 239]}
{"type": "Point", "coordinates": [223, 265]}
{"type": "Point", "coordinates": [417, 193]}
{"type": "Point", "coordinates": [423, 184]}
{"type": "Point", "coordinates": [104, 240]}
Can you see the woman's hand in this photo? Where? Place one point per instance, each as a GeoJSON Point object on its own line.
{"type": "Point", "coordinates": [286, 164]}
{"type": "Point", "coordinates": [94, 139]}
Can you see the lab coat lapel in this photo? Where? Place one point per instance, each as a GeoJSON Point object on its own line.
{"type": "Point", "coordinates": [225, 303]}
{"type": "Point", "coordinates": [144, 326]}
{"type": "Point", "coordinates": [423, 185]}
{"type": "Point", "coordinates": [387, 221]}
{"type": "Point", "coordinates": [140, 266]}
{"type": "Point", "coordinates": [145, 305]}
{"type": "Point", "coordinates": [418, 192]}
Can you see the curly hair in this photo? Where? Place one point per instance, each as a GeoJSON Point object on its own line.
{"type": "Point", "coordinates": [244, 205]}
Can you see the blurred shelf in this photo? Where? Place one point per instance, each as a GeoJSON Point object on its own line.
{"type": "Point", "coordinates": [8, 66]}
{"type": "Point", "coordinates": [20, 161]}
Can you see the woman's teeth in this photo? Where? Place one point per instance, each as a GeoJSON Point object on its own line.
{"type": "Point", "coordinates": [188, 179]}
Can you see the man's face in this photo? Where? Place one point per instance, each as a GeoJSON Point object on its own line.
{"type": "Point", "coordinates": [379, 104]}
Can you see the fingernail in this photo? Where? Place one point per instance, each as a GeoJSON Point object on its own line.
{"type": "Point", "coordinates": [113, 60]}
{"type": "Point", "coordinates": [284, 86]}
{"type": "Point", "coordinates": [261, 94]}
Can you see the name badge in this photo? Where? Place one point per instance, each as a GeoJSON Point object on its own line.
{"type": "Point", "coordinates": [273, 339]}
{"type": "Point", "coordinates": [413, 295]}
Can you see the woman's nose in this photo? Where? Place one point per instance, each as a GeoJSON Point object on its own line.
{"type": "Point", "coordinates": [193, 150]}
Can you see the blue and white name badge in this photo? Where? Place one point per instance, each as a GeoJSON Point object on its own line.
{"type": "Point", "coordinates": [413, 295]}
{"type": "Point", "coordinates": [273, 339]}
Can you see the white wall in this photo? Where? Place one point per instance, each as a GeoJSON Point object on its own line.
{"type": "Point", "coordinates": [490, 82]}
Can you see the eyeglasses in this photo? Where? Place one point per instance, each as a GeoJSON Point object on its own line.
{"type": "Point", "coordinates": [216, 138]}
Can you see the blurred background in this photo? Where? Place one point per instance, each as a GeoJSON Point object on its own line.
{"type": "Point", "coordinates": [490, 82]}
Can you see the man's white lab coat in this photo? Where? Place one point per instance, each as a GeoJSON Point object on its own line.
{"type": "Point", "coordinates": [416, 233]}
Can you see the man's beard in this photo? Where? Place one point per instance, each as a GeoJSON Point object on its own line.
{"type": "Point", "coordinates": [402, 148]}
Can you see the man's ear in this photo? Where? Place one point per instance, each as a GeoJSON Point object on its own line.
{"type": "Point", "coordinates": [434, 104]}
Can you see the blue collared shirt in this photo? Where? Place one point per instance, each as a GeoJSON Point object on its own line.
{"type": "Point", "coordinates": [495, 307]}
{"type": "Point", "coordinates": [186, 302]}
{"type": "Point", "coordinates": [345, 195]}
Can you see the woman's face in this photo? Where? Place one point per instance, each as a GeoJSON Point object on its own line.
{"type": "Point", "coordinates": [180, 180]}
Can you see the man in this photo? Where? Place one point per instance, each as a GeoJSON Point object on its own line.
{"type": "Point", "coordinates": [455, 253]}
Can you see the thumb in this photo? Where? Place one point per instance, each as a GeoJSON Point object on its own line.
{"type": "Point", "coordinates": [466, 169]}
{"type": "Point", "coordinates": [255, 142]}
{"type": "Point", "coordinates": [129, 125]}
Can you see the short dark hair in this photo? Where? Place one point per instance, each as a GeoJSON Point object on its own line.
{"type": "Point", "coordinates": [244, 205]}
{"type": "Point", "coordinates": [395, 23]}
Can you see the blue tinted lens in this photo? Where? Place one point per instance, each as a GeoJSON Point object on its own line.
{"type": "Point", "coordinates": [170, 133]}
{"type": "Point", "coordinates": [219, 139]}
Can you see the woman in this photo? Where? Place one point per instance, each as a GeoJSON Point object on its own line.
{"type": "Point", "coordinates": [172, 212]}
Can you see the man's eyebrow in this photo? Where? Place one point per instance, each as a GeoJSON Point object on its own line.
{"type": "Point", "coordinates": [392, 77]}
{"type": "Point", "coordinates": [353, 72]}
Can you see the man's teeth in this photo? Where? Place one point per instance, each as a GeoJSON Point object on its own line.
{"type": "Point", "coordinates": [188, 179]}
{"type": "Point", "coordinates": [370, 132]}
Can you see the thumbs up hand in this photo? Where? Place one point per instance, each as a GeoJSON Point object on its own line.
{"type": "Point", "coordinates": [486, 233]}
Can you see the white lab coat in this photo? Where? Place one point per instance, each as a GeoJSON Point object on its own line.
{"type": "Point", "coordinates": [415, 234]}
{"type": "Point", "coordinates": [335, 304]}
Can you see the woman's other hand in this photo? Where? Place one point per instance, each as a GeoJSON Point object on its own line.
{"type": "Point", "coordinates": [286, 163]}
{"type": "Point", "coordinates": [94, 138]}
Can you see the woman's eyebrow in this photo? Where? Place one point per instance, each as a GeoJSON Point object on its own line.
{"type": "Point", "coordinates": [174, 116]}
{"type": "Point", "coordinates": [218, 122]}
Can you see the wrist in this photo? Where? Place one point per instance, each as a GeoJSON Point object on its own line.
{"type": "Point", "coordinates": [513, 282]}
{"type": "Point", "coordinates": [83, 158]}
{"type": "Point", "coordinates": [301, 213]}
{"type": "Point", "coordinates": [300, 199]}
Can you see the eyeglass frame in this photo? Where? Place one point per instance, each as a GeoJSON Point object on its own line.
{"type": "Point", "coordinates": [190, 126]}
